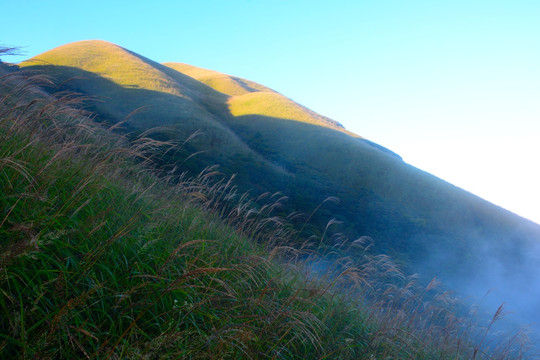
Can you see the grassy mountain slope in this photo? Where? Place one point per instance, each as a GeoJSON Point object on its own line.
{"type": "Point", "coordinates": [274, 144]}
{"type": "Point", "coordinates": [102, 257]}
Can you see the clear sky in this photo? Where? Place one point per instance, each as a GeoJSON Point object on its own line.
{"type": "Point", "coordinates": [452, 86]}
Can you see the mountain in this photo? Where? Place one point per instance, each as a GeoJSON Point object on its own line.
{"type": "Point", "coordinates": [103, 256]}
{"type": "Point", "coordinates": [275, 144]}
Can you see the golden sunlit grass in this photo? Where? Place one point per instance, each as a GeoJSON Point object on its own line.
{"type": "Point", "coordinates": [275, 105]}
{"type": "Point", "coordinates": [223, 83]}
{"type": "Point", "coordinates": [250, 98]}
{"type": "Point", "coordinates": [120, 82]}
{"type": "Point", "coordinates": [111, 62]}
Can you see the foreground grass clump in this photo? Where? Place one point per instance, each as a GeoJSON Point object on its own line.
{"type": "Point", "coordinates": [102, 257]}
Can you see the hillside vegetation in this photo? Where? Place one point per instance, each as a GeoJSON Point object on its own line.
{"type": "Point", "coordinates": [274, 144]}
{"type": "Point", "coordinates": [106, 254]}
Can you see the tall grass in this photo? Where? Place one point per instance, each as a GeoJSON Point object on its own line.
{"type": "Point", "coordinates": [102, 256]}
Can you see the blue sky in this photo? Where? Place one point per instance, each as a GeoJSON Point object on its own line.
{"type": "Point", "coordinates": [452, 86]}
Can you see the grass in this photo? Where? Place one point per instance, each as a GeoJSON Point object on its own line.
{"type": "Point", "coordinates": [225, 84]}
{"type": "Point", "coordinates": [97, 263]}
{"type": "Point", "coordinates": [289, 148]}
{"type": "Point", "coordinates": [103, 255]}
{"type": "Point", "coordinates": [249, 98]}
{"type": "Point", "coordinates": [274, 105]}
{"type": "Point", "coordinates": [111, 62]}
{"type": "Point", "coordinates": [425, 224]}
{"type": "Point", "coordinates": [130, 70]}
